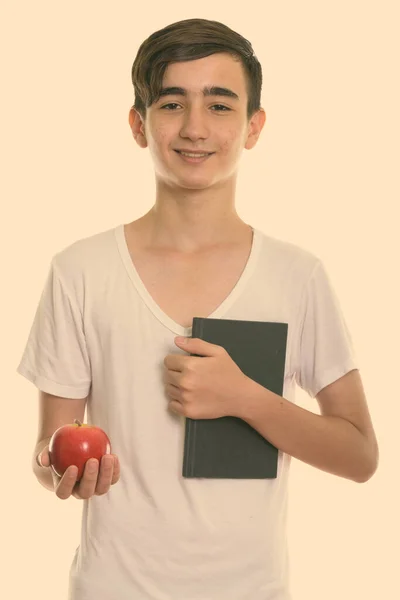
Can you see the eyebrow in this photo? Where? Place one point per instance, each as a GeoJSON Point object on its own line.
{"type": "Point", "coordinates": [207, 91]}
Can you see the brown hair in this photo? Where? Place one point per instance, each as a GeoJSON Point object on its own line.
{"type": "Point", "coordinates": [188, 40]}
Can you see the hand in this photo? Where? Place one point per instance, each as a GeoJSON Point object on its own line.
{"type": "Point", "coordinates": [208, 386]}
{"type": "Point", "coordinates": [93, 483]}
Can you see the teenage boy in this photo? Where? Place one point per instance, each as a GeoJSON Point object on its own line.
{"type": "Point", "coordinates": [105, 338]}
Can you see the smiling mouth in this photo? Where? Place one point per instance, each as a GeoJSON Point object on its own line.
{"type": "Point", "coordinates": [194, 160]}
{"type": "Point", "coordinates": [195, 155]}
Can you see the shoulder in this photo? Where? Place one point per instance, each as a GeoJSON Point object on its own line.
{"type": "Point", "coordinates": [86, 254]}
{"type": "Point", "coordinates": [287, 259]}
{"type": "Point", "coordinates": [84, 264]}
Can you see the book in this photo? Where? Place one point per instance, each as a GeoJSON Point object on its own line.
{"type": "Point", "coordinates": [228, 447]}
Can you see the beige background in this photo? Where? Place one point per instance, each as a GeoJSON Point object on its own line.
{"type": "Point", "coordinates": [324, 175]}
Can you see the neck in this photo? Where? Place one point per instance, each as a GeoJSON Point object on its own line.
{"type": "Point", "coordinates": [193, 221]}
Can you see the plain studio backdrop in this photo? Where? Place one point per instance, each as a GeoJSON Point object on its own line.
{"type": "Point", "coordinates": [324, 175]}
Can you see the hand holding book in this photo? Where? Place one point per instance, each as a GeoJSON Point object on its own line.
{"type": "Point", "coordinates": [206, 386]}
{"type": "Point", "coordinates": [211, 387]}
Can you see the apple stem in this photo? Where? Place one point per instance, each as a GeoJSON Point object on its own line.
{"type": "Point", "coordinates": [78, 422]}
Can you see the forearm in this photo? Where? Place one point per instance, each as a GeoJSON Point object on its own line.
{"type": "Point", "coordinates": [43, 474]}
{"type": "Point", "coordinates": [329, 443]}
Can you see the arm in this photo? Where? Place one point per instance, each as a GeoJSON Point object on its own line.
{"type": "Point", "coordinates": [54, 411]}
{"type": "Point", "coordinates": [341, 440]}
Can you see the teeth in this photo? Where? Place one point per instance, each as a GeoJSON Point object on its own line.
{"type": "Point", "coordinates": [193, 155]}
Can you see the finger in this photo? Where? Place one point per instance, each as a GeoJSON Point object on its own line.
{"type": "Point", "coordinates": [65, 484]}
{"type": "Point", "coordinates": [173, 391]}
{"type": "Point", "coordinates": [105, 474]}
{"type": "Point", "coordinates": [87, 484]}
{"type": "Point", "coordinates": [116, 471]}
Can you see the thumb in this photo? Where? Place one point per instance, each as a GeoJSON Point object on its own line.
{"type": "Point", "coordinates": [43, 458]}
{"type": "Point", "coordinates": [198, 346]}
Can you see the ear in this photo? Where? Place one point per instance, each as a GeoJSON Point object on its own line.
{"type": "Point", "coordinates": [256, 124]}
{"type": "Point", "coordinates": [138, 127]}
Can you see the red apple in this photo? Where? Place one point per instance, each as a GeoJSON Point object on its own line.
{"type": "Point", "coordinates": [74, 444]}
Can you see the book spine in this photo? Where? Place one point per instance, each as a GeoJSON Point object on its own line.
{"type": "Point", "coordinates": [187, 447]}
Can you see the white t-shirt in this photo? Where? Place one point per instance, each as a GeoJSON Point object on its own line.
{"type": "Point", "coordinates": [157, 535]}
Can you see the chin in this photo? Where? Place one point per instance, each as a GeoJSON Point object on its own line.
{"type": "Point", "coordinates": [190, 181]}
{"type": "Point", "coordinates": [193, 184]}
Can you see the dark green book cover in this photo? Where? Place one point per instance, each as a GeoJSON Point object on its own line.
{"type": "Point", "coordinates": [229, 447]}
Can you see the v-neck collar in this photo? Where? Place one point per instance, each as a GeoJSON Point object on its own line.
{"type": "Point", "coordinates": [154, 307]}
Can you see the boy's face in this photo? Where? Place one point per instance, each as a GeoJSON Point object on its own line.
{"type": "Point", "coordinates": [216, 124]}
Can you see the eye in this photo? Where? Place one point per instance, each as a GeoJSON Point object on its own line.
{"type": "Point", "coordinates": [170, 104]}
{"type": "Point", "coordinates": [221, 106]}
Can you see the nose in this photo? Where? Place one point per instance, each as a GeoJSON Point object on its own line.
{"type": "Point", "coordinates": [194, 123]}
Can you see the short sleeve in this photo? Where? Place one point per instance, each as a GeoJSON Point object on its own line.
{"type": "Point", "coordinates": [325, 350]}
{"type": "Point", "coordinates": [55, 358]}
